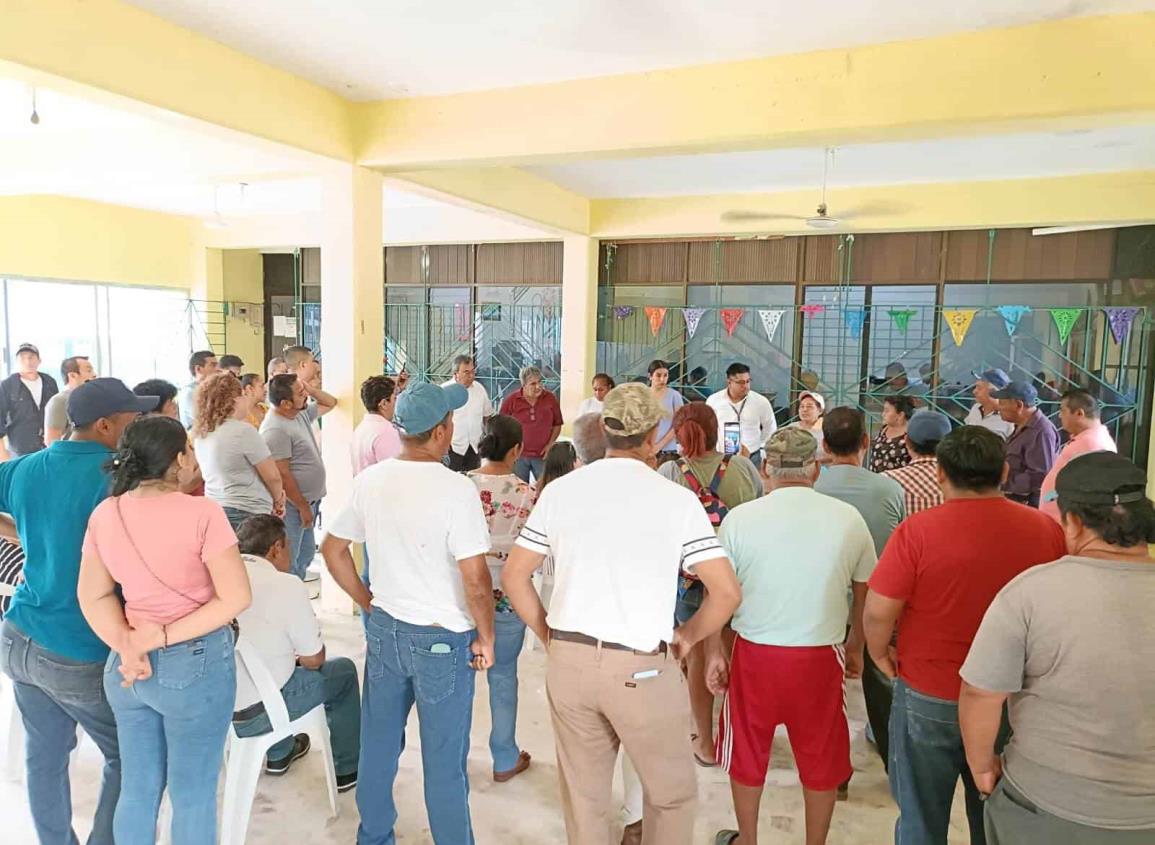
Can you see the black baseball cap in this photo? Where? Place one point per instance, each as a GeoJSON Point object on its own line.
{"type": "Point", "coordinates": [1100, 478]}
{"type": "Point", "coordinates": [105, 397]}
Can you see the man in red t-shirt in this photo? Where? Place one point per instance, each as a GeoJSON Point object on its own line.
{"type": "Point", "coordinates": [539, 413]}
{"type": "Point", "coordinates": [938, 574]}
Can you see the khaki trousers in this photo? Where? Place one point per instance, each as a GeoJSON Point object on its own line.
{"type": "Point", "coordinates": [596, 705]}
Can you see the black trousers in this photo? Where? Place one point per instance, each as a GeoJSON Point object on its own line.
{"type": "Point", "coordinates": [878, 690]}
{"type": "Point", "coordinates": [464, 463]}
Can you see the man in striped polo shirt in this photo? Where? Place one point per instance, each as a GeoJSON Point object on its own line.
{"type": "Point", "coordinates": [919, 478]}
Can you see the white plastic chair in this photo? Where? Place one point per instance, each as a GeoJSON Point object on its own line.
{"type": "Point", "coordinates": [246, 755]}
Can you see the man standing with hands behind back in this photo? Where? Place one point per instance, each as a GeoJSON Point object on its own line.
{"type": "Point", "coordinates": [430, 626]}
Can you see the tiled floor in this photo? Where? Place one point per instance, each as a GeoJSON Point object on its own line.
{"type": "Point", "coordinates": [294, 809]}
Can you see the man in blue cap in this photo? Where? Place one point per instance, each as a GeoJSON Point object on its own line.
{"type": "Point", "coordinates": [430, 620]}
{"type": "Point", "coordinates": [919, 478]}
{"type": "Point", "coordinates": [55, 661]}
{"type": "Point", "coordinates": [1032, 447]}
{"type": "Point", "coordinates": [986, 408]}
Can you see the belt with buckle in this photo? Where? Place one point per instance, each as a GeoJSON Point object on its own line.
{"type": "Point", "coordinates": [584, 639]}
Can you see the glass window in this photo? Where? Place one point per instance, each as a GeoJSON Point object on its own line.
{"type": "Point", "coordinates": [149, 335]}
{"type": "Point", "coordinates": [517, 326]}
{"type": "Point", "coordinates": [627, 344]}
{"type": "Point", "coordinates": [58, 317]}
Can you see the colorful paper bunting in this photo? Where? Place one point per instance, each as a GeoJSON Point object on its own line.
{"type": "Point", "coordinates": [901, 317]}
{"type": "Point", "coordinates": [1012, 315]}
{"type": "Point", "coordinates": [730, 318]}
{"type": "Point", "coordinates": [1119, 319]}
{"type": "Point", "coordinates": [959, 320]}
{"type": "Point", "coordinates": [771, 317]}
{"type": "Point", "coordinates": [656, 316]}
{"type": "Point", "coordinates": [622, 312]}
{"type": "Point", "coordinates": [693, 316]}
{"type": "Point", "coordinates": [1065, 319]}
{"type": "Point", "coordinates": [854, 318]}
{"type": "Point", "coordinates": [812, 309]}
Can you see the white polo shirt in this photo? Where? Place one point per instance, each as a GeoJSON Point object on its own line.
{"type": "Point", "coordinates": [754, 415]}
{"type": "Point", "coordinates": [592, 405]}
{"type": "Point", "coordinates": [418, 519]}
{"type": "Point", "coordinates": [469, 419]}
{"type": "Point", "coordinates": [280, 623]}
{"type": "Point", "coordinates": [993, 421]}
{"type": "Point", "coordinates": [619, 534]}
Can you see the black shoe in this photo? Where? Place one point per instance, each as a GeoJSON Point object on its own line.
{"type": "Point", "coordinates": [346, 782]}
{"type": "Point", "coordinates": [300, 749]}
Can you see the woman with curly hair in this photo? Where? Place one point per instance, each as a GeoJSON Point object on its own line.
{"type": "Point", "coordinates": [240, 474]}
{"type": "Point", "coordinates": [506, 501]}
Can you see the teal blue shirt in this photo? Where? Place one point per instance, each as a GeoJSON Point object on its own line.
{"type": "Point", "coordinates": [51, 494]}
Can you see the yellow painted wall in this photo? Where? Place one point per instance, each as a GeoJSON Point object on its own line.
{"type": "Point", "coordinates": [243, 280]}
{"type": "Point", "coordinates": [61, 238]}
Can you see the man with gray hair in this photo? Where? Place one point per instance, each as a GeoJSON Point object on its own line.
{"type": "Point", "coordinates": [798, 554]}
{"type": "Point", "coordinates": [539, 413]}
{"type": "Point", "coordinates": [589, 438]}
{"type": "Point", "coordinates": [468, 420]}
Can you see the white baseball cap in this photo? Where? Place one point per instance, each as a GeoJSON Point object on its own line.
{"type": "Point", "coordinates": [817, 397]}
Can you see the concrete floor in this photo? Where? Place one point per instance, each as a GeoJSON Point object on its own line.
{"type": "Point", "coordinates": [526, 810]}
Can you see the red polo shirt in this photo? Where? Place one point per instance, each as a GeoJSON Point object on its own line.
{"type": "Point", "coordinates": [948, 563]}
{"type": "Point", "coordinates": [537, 420]}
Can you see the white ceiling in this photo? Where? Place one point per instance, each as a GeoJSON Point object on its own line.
{"type": "Point", "coordinates": [955, 160]}
{"type": "Point", "coordinates": [374, 49]}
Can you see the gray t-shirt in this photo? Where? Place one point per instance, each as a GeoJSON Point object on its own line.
{"type": "Point", "coordinates": [1073, 643]}
{"type": "Point", "coordinates": [56, 413]}
{"type": "Point", "coordinates": [293, 440]}
{"type": "Point", "coordinates": [228, 458]}
{"type": "Point", "coordinates": [879, 499]}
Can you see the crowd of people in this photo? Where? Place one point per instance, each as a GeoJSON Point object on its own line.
{"type": "Point", "coordinates": [695, 551]}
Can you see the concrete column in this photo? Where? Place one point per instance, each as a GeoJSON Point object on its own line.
{"type": "Point", "coordinates": [352, 324]}
{"type": "Point", "coordinates": [579, 325]}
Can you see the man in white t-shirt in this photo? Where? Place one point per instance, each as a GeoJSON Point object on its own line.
{"type": "Point", "coordinates": [613, 676]}
{"type": "Point", "coordinates": [798, 554]}
{"type": "Point", "coordinates": [468, 420]}
{"type": "Point", "coordinates": [430, 625]}
{"type": "Point", "coordinates": [985, 411]}
{"type": "Point", "coordinates": [281, 626]}
{"type": "Point", "coordinates": [738, 403]}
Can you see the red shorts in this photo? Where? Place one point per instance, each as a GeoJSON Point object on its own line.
{"type": "Point", "coordinates": [799, 687]}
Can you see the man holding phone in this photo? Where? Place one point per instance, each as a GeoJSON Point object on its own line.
{"type": "Point", "coordinates": [430, 624]}
{"type": "Point", "coordinates": [751, 412]}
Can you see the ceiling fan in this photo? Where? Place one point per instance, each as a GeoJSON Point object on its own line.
{"type": "Point", "coordinates": [822, 218]}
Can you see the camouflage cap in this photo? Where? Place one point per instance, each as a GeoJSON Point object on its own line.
{"type": "Point", "coordinates": [791, 447]}
{"type": "Point", "coordinates": [631, 409]}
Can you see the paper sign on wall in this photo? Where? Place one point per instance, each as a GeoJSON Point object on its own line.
{"type": "Point", "coordinates": [284, 326]}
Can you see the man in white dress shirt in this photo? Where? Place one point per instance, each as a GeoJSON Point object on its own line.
{"type": "Point", "coordinates": [468, 421]}
{"type": "Point", "coordinates": [752, 411]}
{"type": "Point", "coordinates": [986, 408]}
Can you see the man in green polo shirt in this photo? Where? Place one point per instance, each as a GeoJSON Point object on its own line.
{"type": "Point", "coordinates": [55, 661]}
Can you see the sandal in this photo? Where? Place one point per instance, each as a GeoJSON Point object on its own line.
{"type": "Point", "coordinates": [725, 837]}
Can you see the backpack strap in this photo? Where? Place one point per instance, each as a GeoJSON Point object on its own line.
{"type": "Point", "coordinates": [691, 479]}
{"type": "Point", "coordinates": [719, 474]}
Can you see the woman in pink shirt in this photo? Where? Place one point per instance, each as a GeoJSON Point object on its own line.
{"type": "Point", "coordinates": [171, 677]}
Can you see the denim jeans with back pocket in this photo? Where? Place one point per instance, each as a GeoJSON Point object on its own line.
{"type": "Point", "coordinates": [430, 667]}
{"type": "Point", "coordinates": [54, 695]}
{"type": "Point", "coordinates": [172, 735]}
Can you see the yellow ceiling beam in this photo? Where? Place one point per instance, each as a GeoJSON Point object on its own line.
{"type": "Point", "coordinates": [117, 49]}
{"type": "Point", "coordinates": [1101, 198]}
{"type": "Point", "coordinates": [1069, 73]}
{"type": "Point", "coordinates": [513, 193]}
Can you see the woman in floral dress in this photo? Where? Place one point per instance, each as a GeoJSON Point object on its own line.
{"type": "Point", "coordinates": [889, 448]}
{"type": "Point", "coordinates": [507, 501]}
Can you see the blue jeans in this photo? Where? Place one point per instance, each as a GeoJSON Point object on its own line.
{"type": "Point", "coordinates": [502, 676]}
{"type": "Point", "coordinates": [55, 695]}
{"type": "Point", "coordinates": [302, 541]}
{"type": "Point", "coordinates": [402, 669]}
{"type": "Point", "coordinates": [926, 760]}
{"type": "Point", "coordinates": [172, 734]}
{"type": "Point", "coordinates": [236, 516]}
{"type": "Point", "coordinates": [365, 578]}
{"type": "Point", "coordinates": [335, 686]}
{"type": "Point", "coordinates": [522, 467]}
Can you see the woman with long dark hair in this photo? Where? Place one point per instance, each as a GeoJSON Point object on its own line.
{"type": "Point", "coordinates": [160, 581]}
{"type": "Point", "coordinates": [666, 445]}
{"type": "Point", "coordinates": [506, 501]}
{"type": "Point", "coordinates": [240, 474]}
{"type": "Point", "coordinates": [561, 459]}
